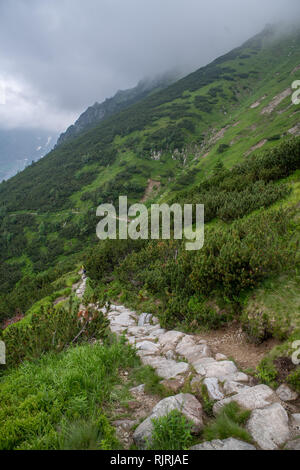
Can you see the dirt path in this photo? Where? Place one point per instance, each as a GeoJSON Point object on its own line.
{"type": "Point", "coordinates": [151, 189]}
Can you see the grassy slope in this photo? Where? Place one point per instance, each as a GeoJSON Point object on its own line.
{"type": "Point", "coordinates": [48, 211]}
{"type": "Point", "coordinates": [40, 420]}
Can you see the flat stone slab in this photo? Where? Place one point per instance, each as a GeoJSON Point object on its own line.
{"type": "Point", "coordinates": [170, 338]}
{"type": "Point", "coordinates": [186, 403]}
{"type": "Point", "coordinates": [252, 398]}
{"type": "Point", "coordinates": [226, 444]}
{"type": "Point", "coordinates": [192, 350]}
{"type": "Point", "coordinates": [124, 319]}
{"type": "Point", "coordinates": [166, 368]}
{"type": "Point", "coordinates": [216, 369]}
{"type": "Point", "coordinates": [269, 427]}
{"type": "Point", "coordinates": [148, 346]}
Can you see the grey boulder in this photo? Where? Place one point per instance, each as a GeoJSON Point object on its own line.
{"type": "Point", "coordinates": [185, 403]}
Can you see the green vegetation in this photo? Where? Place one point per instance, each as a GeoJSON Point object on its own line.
{"type": "Point", "coordinates": [198, 139]}
{"type": "Point", "coordinates": [47, 212]}
{"type": "Point", "coordinates": [43, 401]}
{"type": "Point", "coordinates": [171, 432]}
{"type": "Point", "coordinates": [229, 423]}
{"type": "Point", "coordinates": [52, 329]}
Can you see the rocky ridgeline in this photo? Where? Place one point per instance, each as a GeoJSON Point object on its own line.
{"type": "Point", "coordinates": [180, 358]}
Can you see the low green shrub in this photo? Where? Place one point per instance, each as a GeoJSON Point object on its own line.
{"type": "Point", "coordinates": [52, 329]}
{"type": "Point", "coordinates": [171, 432]}
{"type": "Point", "coordinates": [228, 423]}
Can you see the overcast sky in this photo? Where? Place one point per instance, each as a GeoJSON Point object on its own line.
{"type": "Point", "coordinates": [57, 57]}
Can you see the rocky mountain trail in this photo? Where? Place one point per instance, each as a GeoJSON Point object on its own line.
{"type": "Point", "coordinates": [186, 363]}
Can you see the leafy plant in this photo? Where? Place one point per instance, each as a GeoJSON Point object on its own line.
{"type": "Point", "coordinates": [171, 432]}
{"type": "Point", "coordinates": [228, 424]}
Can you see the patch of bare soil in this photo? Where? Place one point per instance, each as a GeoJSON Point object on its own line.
{"type": "Point", "coordinates": [130, 416]}
{"type": "Point", "coordinates": [11, 321]}
{"type": "Point", "coordinates": [284, 366]}
{"type": "Point", "coordinates": [256, 147]}
{"type": "Point", "coordinates": [258, 102]}
{"type": "Point", "coordinates": [295, 131]}
{"type": "Point", "coordinates": [276, 101]}
{"type": "Point", "coordinates": [233, 343]}
{"type": "Point", "coordinates": [296, 69]}
{"type": "Point", "coordinates": [153, 186]}
{"type": "Point", "coordinates": [217, 136]}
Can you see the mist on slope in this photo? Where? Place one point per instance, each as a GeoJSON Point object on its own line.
{"type": "Point", "coordinates": [59, 56]}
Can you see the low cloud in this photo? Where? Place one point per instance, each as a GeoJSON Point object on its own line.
{"type": "Point", "coordinates": [59, 56]}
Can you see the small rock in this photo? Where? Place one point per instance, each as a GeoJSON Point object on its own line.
{"type": "Point", "coordinates": [293, 445]}
{"type": "Point", "coordinates": [251, 398]}
{"type": "Point", "coordinates": [213, 388]}
{"type": "Point", "coordinates": [170, 355]}
{"type": "Point", "coordinates": [227, 444]}
{"type": "Point", "coordinates": [144, 319]}
{"type": "Point", "coordinates": [269, 427]}
{"type": "Point", "coordinates": [125, 424]}
{"type": "Point", "coordinates": [140, 389]}
{"type": "Point", "coordinates": [221, 357]}
{"type": "Point", "coordinates": [186, 403]}
{"type": "Point", "coordinates": [286, 394]}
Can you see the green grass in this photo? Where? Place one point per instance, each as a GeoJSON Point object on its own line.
{"type": "Point", "coordinates": [274, 308]}
{"type": "Point", "coordinates": [229, 423]}
{"type": "Point", "coordinates": [147, 376]}
{"type": "Point", "coordinates": [171, 432]}
{"type": "Point", "coordinates": [42, 401]}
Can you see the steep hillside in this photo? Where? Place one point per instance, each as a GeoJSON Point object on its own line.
{"type": "Point", "coordinates": [226, 136]}
{"type": "Point", "coordinates": [121, 100]}
{"type": "Point", "coordinates": [170, 141]}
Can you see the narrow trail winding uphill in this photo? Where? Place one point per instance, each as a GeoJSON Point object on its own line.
{"type": "Point", "coordinates": [181, 359]}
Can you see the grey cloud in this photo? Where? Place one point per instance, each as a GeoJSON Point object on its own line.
{"type": "Point", "coordinates": [70, 53]}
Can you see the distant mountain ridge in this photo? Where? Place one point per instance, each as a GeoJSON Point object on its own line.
{"type": "Point", "coordinates": [19, 147]}
{"type": "Point", "coordinates": [121, 100]}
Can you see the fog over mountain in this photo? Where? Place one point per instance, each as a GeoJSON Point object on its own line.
{"type": "Point", "coordinates": [59, 56]}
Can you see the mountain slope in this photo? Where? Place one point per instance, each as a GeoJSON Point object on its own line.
{"type": "Point", "coordinates": [174, 138]}
{"type": "Point", "coordinates": [122, 99]}
{"type": "Point", "coordinates": [186, 115]}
